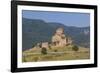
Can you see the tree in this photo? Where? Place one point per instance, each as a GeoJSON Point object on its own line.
{"type": "Point", "coordinates": [50, 47]}
{"type": "Point", "coordinates": [55, 50]}
{"type": "Point", "coordinates": [33, 45]}
{"type": "Point", "coordinates": [44, 51]}
{"type": "Point", "coordinates": [75, 48]}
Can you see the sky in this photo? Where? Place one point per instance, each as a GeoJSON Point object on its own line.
{"type": "Point", "coordinates": [66, 18]}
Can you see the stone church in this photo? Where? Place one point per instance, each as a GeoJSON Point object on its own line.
{"type": "Point", "coordinates": [59, 39]}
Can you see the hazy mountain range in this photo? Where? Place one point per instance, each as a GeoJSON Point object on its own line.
{"type": "Point", "coordinates": [35, 30]}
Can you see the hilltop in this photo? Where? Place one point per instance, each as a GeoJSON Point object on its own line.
{"type": "Point", "coordinates": [35, 31]}
{"type": "Point", "coordinates": [61, 47]}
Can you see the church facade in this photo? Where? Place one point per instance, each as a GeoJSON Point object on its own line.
{"type": "Point", "coordinates": [59, 39]}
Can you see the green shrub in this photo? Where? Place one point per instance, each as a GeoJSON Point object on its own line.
{"type": "Point", "coordinates": [75, 48]}
{"type": "Point", "coordinates": [44, 51]}
{"type": "Point", "coordinates": [33, 45]}
{"type": "Point", "coordinates": [50, 47]}
{"type": "Point", "coordinates": [55, 50]}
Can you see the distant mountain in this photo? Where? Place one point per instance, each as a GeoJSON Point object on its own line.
{"type": "Point", "coordinates": [34, 31]}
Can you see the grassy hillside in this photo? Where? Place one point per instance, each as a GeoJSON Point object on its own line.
{"type": "Point", "coordinates": [56, 54]}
